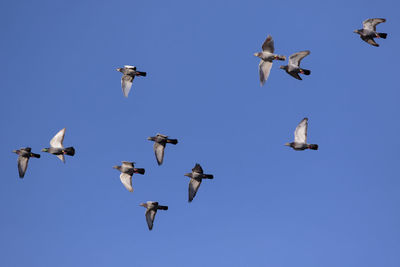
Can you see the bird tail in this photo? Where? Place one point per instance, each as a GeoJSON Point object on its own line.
{"type": "Point", "coordinates": [305, 72]}
{"type": "Point", "coordinates": [280, 57]}
{"type": "Point", "coordinates": [172, 141]}
{"type": "Point", "coordinates": [162, 207]}
{"type": "Point", "coordinates": [35, 155]}
{"type": "Point", "coordinates": [313, 146]}
{"type": "Point", "coordinates": [208, 176]}
{"type": "Point", "coordinates": [70, 151]}
{"type": "Point", "coordinates": [382, 35]}
{"type": "Point", "coordinates": [139, 170]}
{"type": "Point", "coordinates": [141, 73]}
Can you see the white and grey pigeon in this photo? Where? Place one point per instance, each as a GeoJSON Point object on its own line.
{"type": "Point", "coordinates": [129, 74]}
{"type": "Point", "coordinates": [151, 210]}
{"type": "Point", "coordinates": [293, 67]}
{"type": "Point", "coordinates": [368, 32]}
{"type": "Point", "coordinates": [160, 141]}
{"type": "Point", "coordinates": [23, 158]}
{"type": "Point", "coordinates": [196, 177]}
{"type": "Point", "coordinates": [300, 137]}
{"type": "Point", "coordinates": [127, 169]}
{"type": "Point", "coordinates": [267, 56]}
{"type": "Point", "coordinates": [57, 147]}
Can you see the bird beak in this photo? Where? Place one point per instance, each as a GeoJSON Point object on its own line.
{"type": "Point", "coordinates": [255, 54]}
{"type": "Point", "coordinates": [142, 204]}
{"type": "Point", "coordinates": [14, 151]}
{"type": "Point", "coordinates": [187, 174]}
{"type": "Point", "coordinates": [355, 31]}
{"type": "Point", "coordinates": [281, 67]}
{"type": "Point", "coordinates": [287, 144]}
{"type": "Point", "coordinates": [118, 69]}
{"type": "Point", "coordinates": [44, 150]}
{"type": "Point", "coordinates": [150, 138]}
{"type": "Point", "coordinates": [115, 167]}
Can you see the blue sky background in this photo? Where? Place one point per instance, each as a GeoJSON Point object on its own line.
{"type": "Point", "coordinates": [268, 205]}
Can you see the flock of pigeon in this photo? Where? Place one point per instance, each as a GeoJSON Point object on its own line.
{"type": "Point", "coordinates": [368, 33]}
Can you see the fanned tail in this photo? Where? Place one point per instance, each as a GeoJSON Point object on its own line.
{"type": "Point", "coordinates": [208, 176]}
{"type": "Point", "coordinates": [141, 73]}
{"type": "Point", "coordinates": [162, 207]}
{"type": "Point", "coordinates": [70, 151]}
{"type": "Point", "coordinates": [35, 155]}
{"type": "Point", "coordinates": [172, 141]}
{"type": "Point", "coordinates": [382, 35]}
{"type": "Point", "coordinates": [313, 146]}
{"type": "Point", "coordinates": [305, 72]}
{"type": "Point", "coordinates": [139, 170]}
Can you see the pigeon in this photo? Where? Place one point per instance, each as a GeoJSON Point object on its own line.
{"type": "Point", "coordinates": [127, 170]}
{"type": "Point", "coordinates": [57, 148]}
{"type": "Point", "coordinates": [267, 56]}
{"type": "Point", "coordinates": [293, 67]}
{"type": "Point", "coordinates": [129, 74]}
{"type": "Point", "coordinates": [300, 137]}
{"type": "Point", "coordinates": [196, 176]}
{"type": "Point", "coordinates": [151, 210]}
{"type": "Point", "coordinates": [160, 141]}
{"type": "Point", "coordinates": [23, 157]}
{"type": "Point", "coordinates": [368, 32]}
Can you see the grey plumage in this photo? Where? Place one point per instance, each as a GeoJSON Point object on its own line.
{"type": "Point", "coordinates": [57, 147]}
{"type": "Point", "coordinates": [127, 169]}
{"type": "Point", "coordinates": [196, 177]}
{"type": "Point", "coordinates": [129, 73]}
{"type": "Point", "coordinates": [160, 142]}
{"type": "Point", "coordinates": [293, 67]}
{"type": "Point", "coordinates": [23, 158]}
{"type": "Point", "coordinates": [368, 32]}
{"type": "Point", "coordinates": [300, 137]}
{"type": "Point", "coordinates": [266, 58]}
{"type": "Point", "coordinates": [151, 210]}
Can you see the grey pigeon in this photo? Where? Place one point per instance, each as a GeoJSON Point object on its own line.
{"type": "Point", "coordinates": [129, 74]}
{"type": "Point", "coordinates": [127, 170]}
{"type": "Point", "coordinates": [196, 176]}
{"type": "Point", "coordinates": [57, 148]}
{"type": "Point", "coordinates": [267, 56]}
{"type": "Point", "coordinates": [368, 32]}
{"type": "Point", "coordinates": [293, 67]}
{"type": "Point", "coordinates": [300, 137]}
{"type": "Point", "coordinates": [151, 210]}
{"type": "Point", "coordinates": [160, 141]}
{"type": "Point", "coordinates": [23, 157]}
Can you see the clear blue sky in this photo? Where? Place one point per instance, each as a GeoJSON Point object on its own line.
{"type": "Point", "coordinates": [268, 205]}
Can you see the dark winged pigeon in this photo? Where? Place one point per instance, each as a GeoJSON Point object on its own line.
{"type": "Point", "coordinates": [368, 32]}
{"type": "Point", "coordinates": [196, 176]}
{"type": "Point", "coordinates": [160, 141]}
{"type": "Point", "coordinates": [267, 56]}
{"type": "Point", "coordinates": [293, 67]}
{"type": "Point", "coordinates": [151, 210]}
{"type": "Point", "coordinates": [57, 148]}
{"type": "Point", "coordinates": [129, 74]}
{"type": "Point", "coordinates": [127, 170]}
{"type": "Point", "coordinates": [23, 157]}
{"type": "Point", "coordinates": [300, 137]}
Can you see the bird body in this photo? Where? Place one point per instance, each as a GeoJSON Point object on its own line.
{"type": "Point", "coordinates": [293, 66]}
{"type": "Point", "coordinates": [160, 142]}
{"type": "Point", "coordinates": [23, 158]}
{"type": "Point", "coordinates": [151, 210]}
{"type": "Point", "coordinates": [129, 73]}
{"type": "Point", "coordinates": [196, 177]}
{"type": "Point", "coordinates": [57, 147]}
{"type": "Point", "coordinates": [127, 169]}
{"type": "Point", "coordinates": [300, 137]}
{"type": "Point", "coordinates": [368, 32]}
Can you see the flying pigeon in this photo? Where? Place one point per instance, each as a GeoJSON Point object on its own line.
{"type": "Point", "coordinates": [57, 148]}
{"type": "Point", "coordinates": [160, 141]}
{"type": "Point", "coordinates": [151, 210]}
{"type": "Point", "coordinates": [293, 67]}
{"type": "Point", "coordinates": [196, 176]}
{"type": "Point", "coordinates": [267, 56]}
{"type": "Point", "coordinates": [129, 74]}
{"type": "Point", "coordinates": [127, 170]}
{"type": "Point", "coordinates": [368, 32]}
{"type": "Point", "coordinates": [23, 157]}
{"type": "Point", "coordinates": [300, 137]}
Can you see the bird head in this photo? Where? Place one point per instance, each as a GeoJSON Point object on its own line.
{"type": "Point", "coordinates": [258, 54]}
{"type": "Point", "coordinates": [143, 205]}
{"type": "Point", "coordinates": [188, 174]}
{"type": "Point", "coordinates": [357, 31]}
{"type": "Point", "coordinates": [116, 167]}
{"type": "Point", "coordinates": [151, 138]}
{"type": "Point", "coordinates": [287, 144]}
{"type": "Point", "coordinates": [45, 150]}
{"type": "Point", "coordinates": [119, 69]}
{"type": "Point", "coordinates": [15, 151]}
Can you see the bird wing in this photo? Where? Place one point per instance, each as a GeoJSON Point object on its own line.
{"type": "Point", "coordinates": [295, 75]}
{"type": "Point", "coordinates": [300, 134]}
{"type": "Point", "coordinates": [297, 57]}
{"type": "Point", "coordinates": [268, 45]}
{"type": "Point", "coordinates": [194, 185]}
{"type": "Point", "coordinates": [372, 42]}
{"type": "Point", "coordinates": [127, 164]}
{"type": "Point", "coordinates": [58, 139]}
{"type": "Point", "coordinates": [126, 180]}
{"type": "Point", "coordinates": [370, 24]}
{"type": "Point", "coordinates": [150, 215]}
{"type": "Point", "coordinates": [197, 168]}
{"type": "Point", "coordinates": [159, 151]}
{"type": "Point", "coordinates": [61, 157]}
{"type": "Point", "coordinates": [126, 84]}
{"type": "Point", "coordinates": [22, 165]}
{"type": "Point", "coordinates": [264, 68]}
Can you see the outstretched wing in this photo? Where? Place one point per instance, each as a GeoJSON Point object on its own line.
{"type": "Point", "coordinates": [194, 185]}
{"type": "Point", "coordinates": [126, 180]}
{"type": "Point", "coordinates": [264, 68]}
{"type": "Point", "coordinates": [296, 58]}
{"type": "Point", "coordinates": [268, 45]}
{"type": "Point", "coordinates": [370, 24]}
{"type": "Point", "coordinates": [300, 134]}
{"type": "Point", "coordinates": [22, 165]}
{"type": "Point", "coordinates": [58, 139]}
{"type": "Point", "coordinates": [150, 215]}
{"type": "Point", "coordinates": [126, 84]}
{"type": "Point", "coordinates": [159, 151]}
